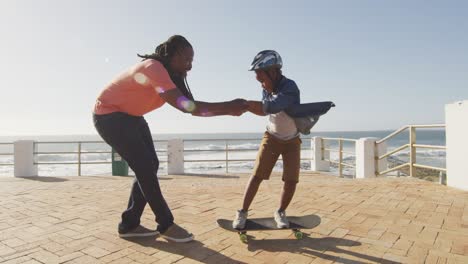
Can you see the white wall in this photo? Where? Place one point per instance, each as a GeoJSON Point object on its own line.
{"type": "Point", "coordinates": [175, 156]}
{"type": "Point", "coordinates": [456, 121]}
{"type": "Point", "coordinates": [365, 158]}
{"type": "Point", "coordinates": [317, 164]}
{"type": "Point", "coordinates": [24, 159]}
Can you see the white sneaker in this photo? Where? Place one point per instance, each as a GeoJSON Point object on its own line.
{"type": "Point", "coordinates": [281, 219]}
{"type": "Point", "coordinates": [239, 221]}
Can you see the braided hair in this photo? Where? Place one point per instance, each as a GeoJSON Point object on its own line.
{"type": "Point", "coordinates": [164, 53]}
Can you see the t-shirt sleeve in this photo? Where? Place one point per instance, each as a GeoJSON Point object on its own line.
{"type": "Point", "coordinates": [160, 79]}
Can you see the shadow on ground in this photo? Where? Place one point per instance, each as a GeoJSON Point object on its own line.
{"type": "Point", "coordinates": [222, 176]}
{"type": "Point", "coordinates": [44, 179]}
{"type": "Point", "coordinates": [194, 250]}
{"type": "Point", "coordinates": [315, 247]}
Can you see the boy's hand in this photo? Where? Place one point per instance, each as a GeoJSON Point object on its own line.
{"type": "Point", "coordinates": [251, 106]}
{"type": "Point", "coordinates": [255, 107]}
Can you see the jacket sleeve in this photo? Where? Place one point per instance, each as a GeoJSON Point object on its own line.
{"type": "Point", "coordinates": [283, 100]}
{"type": "Point", "coordinates": [310, 109]}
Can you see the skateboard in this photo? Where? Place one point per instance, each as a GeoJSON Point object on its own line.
{"type": "Point", "coordinates": [296, 223]}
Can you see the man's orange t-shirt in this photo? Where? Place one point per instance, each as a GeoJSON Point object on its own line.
{"type": "Point", "coordinates": [136, 91]}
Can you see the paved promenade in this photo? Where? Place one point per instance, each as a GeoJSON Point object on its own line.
{"type": "Point", "coordinates": [383, 220]}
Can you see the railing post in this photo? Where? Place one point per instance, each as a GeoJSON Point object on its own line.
{"type": "Point", "coordinates": [340, 155]}
{"type": "Point", "coordinates": [318, 162]}
{"type": "Point", "coordinates": [227, 157]}
{"type": "Point", "coordinates": [79, 158]}
{"type": "Point", "coordinates": [442, 178]}
{"type": "Point", "coordinates": [365, 158]}
{"type": "Point", "coordinates": [175, 156]}
{"type": "Point", "coordinates": [24, 159]}
{"type": "Point", "coordinates": [412, 158]}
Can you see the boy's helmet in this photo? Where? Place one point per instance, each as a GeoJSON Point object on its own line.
{"type": "Point", "coordinates": [266, 59]}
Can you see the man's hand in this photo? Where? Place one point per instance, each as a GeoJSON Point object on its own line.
{"type": "Point", "coordinates": [237, 107]}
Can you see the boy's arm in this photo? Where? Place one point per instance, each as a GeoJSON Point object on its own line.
{"type": "Point", "coordinates": [282, 101]}
{"type": "Point", "coordinates": [256, 107]}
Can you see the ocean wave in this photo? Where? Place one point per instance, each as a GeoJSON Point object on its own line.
{"type": "Point", "coordinates": [214, 147]}
{"type": "Point", "coordinates": [250, 146]}
{"type": "Point", "coordinates": [428, 153]}
{"type": "Point", "coordinates": [97, 157]}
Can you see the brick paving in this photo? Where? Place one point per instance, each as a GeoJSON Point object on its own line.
{"type": "Point", "coordinates": [383, 220]}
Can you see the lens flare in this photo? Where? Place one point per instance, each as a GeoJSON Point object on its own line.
{"type": "Point", "coordinates": [185, 103]}
{"type": "Point", "coordinates": [204, 112]}
{"type": "Point", "coordinates": [159, 90]}
{"type": "Point", "coordinates": [140, 78]}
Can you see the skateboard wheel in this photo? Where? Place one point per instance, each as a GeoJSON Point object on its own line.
{"type": "Point", "coordinates": [298, 234]}
{"type": "Point", "coordinates": [243, 237]}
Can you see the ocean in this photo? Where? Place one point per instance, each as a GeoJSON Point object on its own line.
{"type": "Point", "coordinates": [208, 147]}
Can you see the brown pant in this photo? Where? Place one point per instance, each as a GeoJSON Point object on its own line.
{"type": "Point", "coordinates": [269, 152]}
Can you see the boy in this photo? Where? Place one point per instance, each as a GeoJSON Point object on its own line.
{"type": "Point", "coordinates": [281, 136]}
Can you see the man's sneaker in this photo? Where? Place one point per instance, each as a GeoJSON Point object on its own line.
{"type": "Point", "coordinates": [281, 219]}
{"type": "Point", "coordinates": [139, 231]}
{"type": "Point", "coordinates": [176, 233]}
{"type": "Point", "coordinates": [239, 221]}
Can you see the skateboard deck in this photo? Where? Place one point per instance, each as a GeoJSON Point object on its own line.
{"type": "Point", "coordinates": [296, 223]}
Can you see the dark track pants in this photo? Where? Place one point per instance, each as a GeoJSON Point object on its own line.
{"type": "Point", "coordinates": [131, 138]}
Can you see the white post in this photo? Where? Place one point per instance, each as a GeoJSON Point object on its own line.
{"type": "Point", "coordinates": [365, 158]}
{"type": "Point", "coordinates": [24, 159]}
{"type": "Point", "coordinates": [383, 163]}
{"type": "Point", "coordinates": [175, 156]}
{"type": "Point", "coordinates": [456, 132]}
{"type": "Point", "coordinates": [318, 163]}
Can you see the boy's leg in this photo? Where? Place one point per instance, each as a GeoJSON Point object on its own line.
{"type": "Point", "coordinates": [250, 192]}
{"type": "Point", "coordinates": [267, 156]}
{"type": "Point", "coordinates": [289, 188]}
{"type": "Point", "coordinates": [291, 167]}
{"type": "Point", "coordinates": [266, 159]}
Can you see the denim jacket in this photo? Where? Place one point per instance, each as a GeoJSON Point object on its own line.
{"type": "Point", "coordinates": [287, 94]}
{"type": "Point", "coordinates": [287, 98]}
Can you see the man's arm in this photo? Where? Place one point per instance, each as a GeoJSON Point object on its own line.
{"type": "Point", "coordinates": [256, 107]}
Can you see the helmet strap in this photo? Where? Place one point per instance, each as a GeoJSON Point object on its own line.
{"type": "Point", "coordinates": [275, 83]}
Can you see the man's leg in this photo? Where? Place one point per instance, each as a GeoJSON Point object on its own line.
{"type": "Point", "coordinates": [124, 134]}
{"type": "Point", "coordinates": [146, 135]}
{"type": "Point", "coordinates": [136, 204]}
{"type": "Point", "coordinates": [137, 201]}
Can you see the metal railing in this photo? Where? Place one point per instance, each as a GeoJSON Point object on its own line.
{"type": "Point", "coordinates": [79, 153]}
{"type": "Point", "coordinates": [227, 151]}
{"type": "Point", "coordinates": [412, 151]}
{"type": "Point", "coordinates": [340, 151]}
{"type": "Point", "coordinates": [7, 154]}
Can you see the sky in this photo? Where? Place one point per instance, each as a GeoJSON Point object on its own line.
{"type": "Point", "coordinates": [385, 64]}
